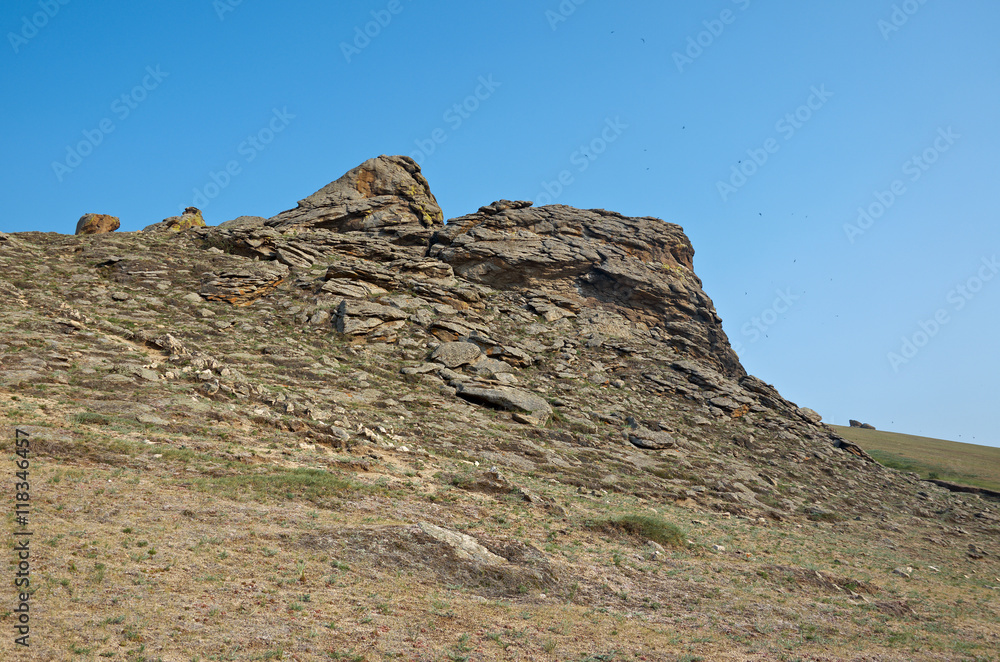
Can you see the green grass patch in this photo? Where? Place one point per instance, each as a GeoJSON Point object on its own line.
{"type": "Point", "coordinates": [967, 464]}
{"type": "Point", "coordinates": [647, 527]}
{"type": "Point", "coordinates": [90, 418]}
{"type": "Point", "coordinates": [316, 486]}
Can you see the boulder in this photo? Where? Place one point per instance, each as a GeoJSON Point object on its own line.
{"type": "Point", "coordinates": [97, 224]}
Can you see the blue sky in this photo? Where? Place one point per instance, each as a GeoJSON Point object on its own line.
{"type": "Point", "coordinates": [141, 109]}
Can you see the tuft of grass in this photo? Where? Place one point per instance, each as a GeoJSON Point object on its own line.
{"type": "Point", "coordinates": [648, 527]}
{"type": "Point", "coordinates": [279, 484]}
{"type": "Point", "coordinates": [90, 418]}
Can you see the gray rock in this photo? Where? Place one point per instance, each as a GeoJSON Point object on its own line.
{"type": "Point", "coordinates": [243, 223]}
{"type": "Point", "coordinates": [149, 375]}
{"type": "Point", "coordinates": [422, 369]}
{"type": "Point", "coordinates": [534, 409]}
{"type": "Point", "coordinates": [492, 368]}
{"type": "Point", "coordinates": [362, 317]}
{"type": "Point", "coordinates": [809, 414]}
{"type": "Point", "coordinates": [455, 354]}
{"type": "Point", "coordinates": [320, 317]}
{"type": "Point", "coordinates": [465, 547]}
{"type": "Point", "coordinates": [651, 440]}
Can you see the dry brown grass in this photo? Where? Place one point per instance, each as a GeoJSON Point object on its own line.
{"type": "Point", "coordinates": [155, 560]}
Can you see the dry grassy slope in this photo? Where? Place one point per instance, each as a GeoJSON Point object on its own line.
{"type": "Point", "coordinates": [256, 486]}
{"type": "Point", "coordinates": [967, 464]}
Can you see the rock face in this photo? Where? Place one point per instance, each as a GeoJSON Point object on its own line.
{"type": "Point", "coordinates": [640, 268]}
{"type": "Point", "coordinates": [859, 424]}
{"type": "Point", "coordinates": [387, 194]}
{"type": "Point", "coordinates": [191, 218]}
{"type": "Point", "coordinates": [97, 224]}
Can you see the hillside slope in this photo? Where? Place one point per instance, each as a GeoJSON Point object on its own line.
{"type": "Point", "coordinates": [355, 432]}
{"type": "Point", "coordinates": [967, 464]}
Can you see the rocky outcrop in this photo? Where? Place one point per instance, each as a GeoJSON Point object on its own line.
{"type": "Point", "coordinates": [191, 218]}
{"type": "Point", "coordinates": [97, 224]}
{"type": "Point", "coordinates": [241, 287]}
{"type": "Point", "coordinates": [859, 424]}
{"type": "Point", "coordinates": [386, 195]}
{"type": "Point", "coordinates": [641, 268]}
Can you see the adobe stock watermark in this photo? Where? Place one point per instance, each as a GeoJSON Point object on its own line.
{"type": "Point", "coordinates": [363, 35]}
{"type": "Point", "coordinates": [900, 16]}
{"type": "Point", "coordinates": [250, 148]}
{"type": "Point", "coordinates": [788, 126]}
{"type": "Point", "coordinates": [958, 298]}
{"type": "Point", "coordinates": [122, 107]}
{"type": "Point", "coordinates": [30, 25]}
{"type": "Point", "coordinates": [758, 325]}
{"type": "Point", "coordinates": [913, 169]}
{"type": "Point", "coordinates": [699, 43]}
{"type": "Point", "coordinates": [562, 13]}
{"type": "Point", "coordinates": [223, 7]}
{"type": "Point", "coordinates": [582, 159]}
{"type": "Point", "coordinates": [455, 116]}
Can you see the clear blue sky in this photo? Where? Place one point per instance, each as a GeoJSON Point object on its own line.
{"type": "Point", "coordinates": [270, 90]}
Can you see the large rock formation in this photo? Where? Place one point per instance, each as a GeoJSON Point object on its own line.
{"type": "Point", "coordinates": [641, 268]}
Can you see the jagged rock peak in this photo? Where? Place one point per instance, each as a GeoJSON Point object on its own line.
{"type": "Point", "coordinates": [384, 192]}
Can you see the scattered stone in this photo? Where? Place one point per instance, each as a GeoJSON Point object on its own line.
{"type": "Point", "coordinates": [975, 552]}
